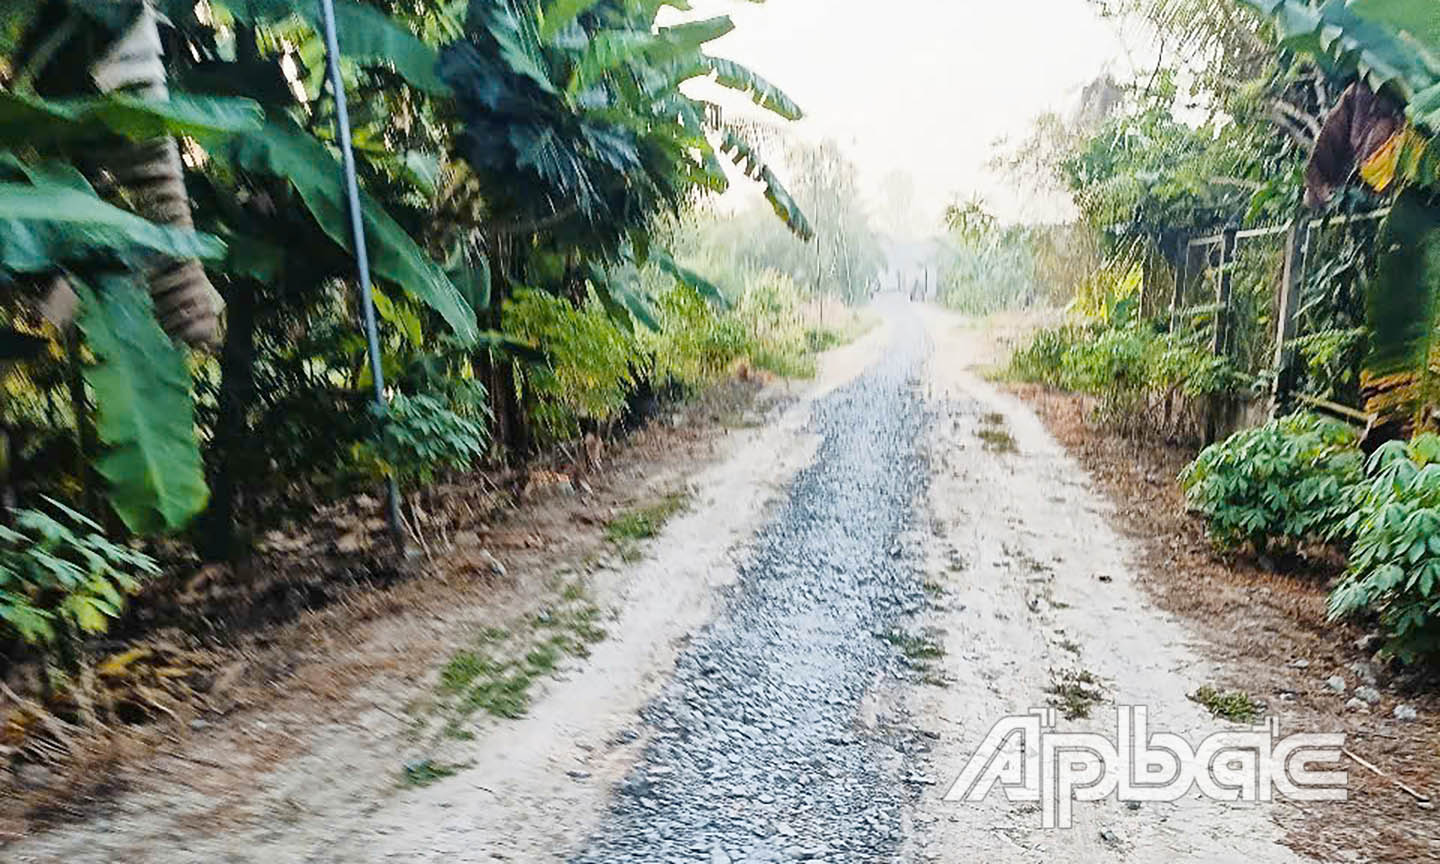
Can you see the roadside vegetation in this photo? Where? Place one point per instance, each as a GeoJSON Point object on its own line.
{"type": "Point", "coordinates": [1187, 318]}
{"type": "Point", "coordinates": [185, 380]}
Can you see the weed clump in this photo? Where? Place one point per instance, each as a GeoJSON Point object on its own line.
{"type": "Point", "coordinates": [994, 435]}
{"type": "Point", "coordinates": [643, 523]}
{"type": "Point", "coordinates": [1230, 704]}
{"type": "Point", "coordinates": [423, 772]}
{"type": "Point", "coordinates": [1074, 692]}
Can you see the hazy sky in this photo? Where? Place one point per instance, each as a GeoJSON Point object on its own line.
{"type": "Point", "coordinates": [924, 86]}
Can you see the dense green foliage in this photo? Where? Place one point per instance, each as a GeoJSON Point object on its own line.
{"type": "Point", "coordinates": [1282, 483]}
{"type": "Point", "coordinates": [1394, 569]}
{"type": "Point", "coordinates": [593, 365]}
{"type": "Point", "coordinates": [526, 168]}
{"type": "Point", "coordinates": [517, 161]}
{"type": "Point", "coordinates": [422, 436]}
{"type": "Point", "coordinates": [1147, 379]}
{"type": "Point", "coordinates": [61, 578]}
{"type": "Point", "coordinates": [1261, 113]}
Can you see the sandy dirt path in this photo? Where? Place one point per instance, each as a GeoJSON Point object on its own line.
{"type": "Point", "coordinates": [1037, 585]}
{"type": "Point", "coordinates": [532, 788]}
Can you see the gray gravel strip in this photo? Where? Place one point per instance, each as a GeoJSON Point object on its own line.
{"type": "Point", "coordinates": [755, 754]}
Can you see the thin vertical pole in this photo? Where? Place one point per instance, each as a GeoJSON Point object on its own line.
{"type": "Point", "coordinates": [1182, 265]}
{"type": "Point", "coordinates": [362, 255]}
{"type": "Point", "coordinates": [1221, 344]}
{"type": "Point", "coordinates": [1222, 291]}
{"type": "Point", "coordinates": [1286, 309]}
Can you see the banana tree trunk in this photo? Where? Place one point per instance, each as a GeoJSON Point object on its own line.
{"type": "Point", "coordinates": [151, 174]}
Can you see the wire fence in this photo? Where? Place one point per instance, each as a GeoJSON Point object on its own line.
{"type": "Point", "coordinates": [1251, 293]}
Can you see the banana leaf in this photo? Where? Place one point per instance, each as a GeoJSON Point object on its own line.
{"type": "Point", "coordinates": [366, 35]}
{"type": "Point", "coordinates": [688, 277]}
{"type": "Point", "coordinates": [145, 417]}
{"type": "Point", "coordinates": [749, 161]}
{"type": "Point", "coordinates": [36, 122]}
{"type": "Point", "coordinates": [622, 298]}
{"type": "Point", "coordinates": [1403, 311]}
{"type": "Point", "coordinates": [282, 149]}
{"type": "Point", "coordinates": [50, 224]}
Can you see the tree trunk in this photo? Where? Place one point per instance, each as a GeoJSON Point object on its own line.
{"type": "Point", "coordinates": [232, 427]}
{"type": "Point", "coordinates": [186, 304]}
{"type": "Point", "coordinates": [509, 430]}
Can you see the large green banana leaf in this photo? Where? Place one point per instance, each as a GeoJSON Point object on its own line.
{"type": "Point", "coordinates": [1403, 308]}
{"type": "Point", "coordinates": [1417, 18]}
{"type": "Point", "coordinates": [555, 15]}
{"type": "Point", "coordinates": [676, 47]}
{"type": "Point", "coordinates": [145, 418]}
{"type": "Point", "coordinates": [730, 74]}
{"type": "Point", "coordinates": [1385, 41]}
{"type": "Point", "coordinates": [51, 224]}
{"type": "Point", "coordinates": [282, 149]}
{"type": "Point", "coordinates": [685, 276]}
{"type": "Point", "coordinates": [749, 161]}
{"type": "Point", "coordinates": [366, 36]}
{"type": "Point", "coordinates": [620, 294]}
{"type": "Point", "coordinates": [32, 121]}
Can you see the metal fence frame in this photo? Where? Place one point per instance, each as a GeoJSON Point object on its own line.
{"type": "Point", "coordinates": [1299, 238]}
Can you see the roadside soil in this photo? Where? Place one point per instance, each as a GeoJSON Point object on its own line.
{"type": "Point", "coordinates": [1040, 603]}
{"type": "Point", "coordinates": [1267, 632]}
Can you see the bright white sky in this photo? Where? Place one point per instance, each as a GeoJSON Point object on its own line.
{"type": "Point", "coordinates": [925, 86]}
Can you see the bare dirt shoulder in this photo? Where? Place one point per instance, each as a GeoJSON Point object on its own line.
{"type": "Point", "coordinates": [330, 746]}
{"type": "Point", "coordinates": [1039, 602]}
{"type": "Point", "coordinates": [1267, 633]}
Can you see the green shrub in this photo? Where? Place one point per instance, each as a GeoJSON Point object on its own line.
{"type": "Point", "coordinates": [1113, 363]}
{"type": "Point", "coordinates": [1144, 378]}
{"type": "Point", "coordinates": [1280, 482]}
{"type": "Point", "coordinates": [697, 343]}
{"type": "Point", "coordinates": [60, 577]}
{"type": "Point", "coordinates": [593, 364]}
{"type": "Point", "coordinates": [770, 310]}
{"type": "Point", "coordinates": [1394, 568]}
{"type": "Point", "coordinates": [1042, 359]}
{"type": "Point", "coordinates": [590, 366]}
{"type": "Point", "coordinates": [422, 436]}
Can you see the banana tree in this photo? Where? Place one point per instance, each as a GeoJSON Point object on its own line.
{"type": "Point", "coordinates": [108, 132]}
{"type": "Point", "coordinates": [1385, 128]}
{"type": "Point", "coordinates": [127, 271]}
{"type": "Point", "coordinates": [576, 137]}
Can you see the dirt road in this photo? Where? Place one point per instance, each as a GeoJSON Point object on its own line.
{"type": "Point", "coordinates": [797, 669]}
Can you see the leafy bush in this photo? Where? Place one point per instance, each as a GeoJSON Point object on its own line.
{"type": "Point", "coordinates": [696, 343]}
{"type": "Point", "coordinates": [1144, 377]}
{"type": "Point", "coordinates": [422, 435]}
{"type": "Point", "coordinates": [1041, 360]}
{"type": "Point", "coordinates": [591, 362]}
{"type": "Point", "coordinates": [1280, 482]}
{"type": "Point", "coordinates": [60, 577]}
{"type": "Point", "coordinates": [770, 310]}
{"type": "Point", "coordinates": [1394, 568]}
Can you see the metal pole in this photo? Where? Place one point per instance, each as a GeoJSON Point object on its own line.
{"type": "Point", "coordinates": [362, 255]}
{"type": "Point", "coordinates": [1182, 267]}
{"type": "Point", "coordinates": [1288, 306]}
{"type": "Point", "coordinates": [1221, 344]}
